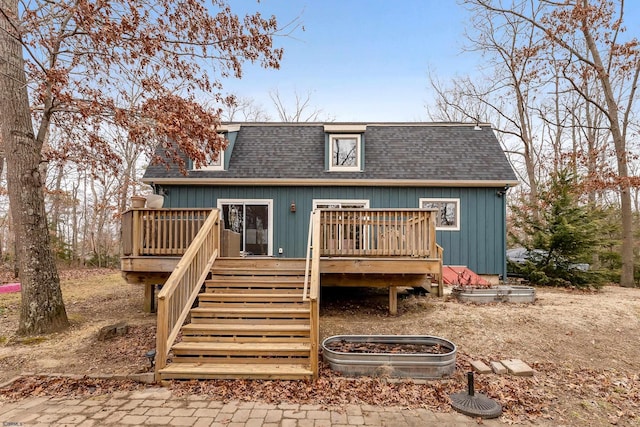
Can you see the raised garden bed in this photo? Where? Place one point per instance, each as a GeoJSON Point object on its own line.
{"type": "Point", "coordinates": [399, 356]}
{"type": "Point", "coordinates": [481, 295]}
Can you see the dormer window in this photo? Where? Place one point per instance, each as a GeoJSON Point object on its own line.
{"type": "Point", "coordinates": [221, 163]}
{"type": "Point", "coordinates": [344, 152]}
{"type": "Point", "coordinates": [215, 165]}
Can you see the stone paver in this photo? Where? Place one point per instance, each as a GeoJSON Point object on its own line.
{"type": "Point", "coordinates": [158, 407]}
{"type": "Point", "coordinates": [158, 420]}
{"type": "Point", "coordinates": [134, 420]}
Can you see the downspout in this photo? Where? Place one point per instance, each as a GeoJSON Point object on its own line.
{"type": "Point", "coordinates": [504, 233]}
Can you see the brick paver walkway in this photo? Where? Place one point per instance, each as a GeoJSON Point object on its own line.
{"type": "Point", "coordinates": [158, 407]}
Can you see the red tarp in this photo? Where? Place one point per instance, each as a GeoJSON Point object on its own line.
{"type": "Point", "coordinates": [461, 275]}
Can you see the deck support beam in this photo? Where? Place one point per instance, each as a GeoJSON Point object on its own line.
{"type": "Point", "coordinates": [393, 300]}
{"type": "Point", "coordinates": [149, 305]}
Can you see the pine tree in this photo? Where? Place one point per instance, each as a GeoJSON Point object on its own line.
{"type": "Point", "coordinates": [562, 238]}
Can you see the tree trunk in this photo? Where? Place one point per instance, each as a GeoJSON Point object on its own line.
{"type": "Point", "coordinates": [43, 309]}
{"type": "Point", "coordinates": [74, 226]}
{"type": "Point", "coordinates": [56, 200]}
{"type": "Point", "coordinates": [619, 141]}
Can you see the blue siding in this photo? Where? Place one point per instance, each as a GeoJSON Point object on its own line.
{"type": "Point", "coordinates": [480, 243]}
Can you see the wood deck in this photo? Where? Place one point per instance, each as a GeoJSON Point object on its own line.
{"type": "Point", "coordinates": [258, 317]}
{"type": "Point", "coordinates": [343, 271]}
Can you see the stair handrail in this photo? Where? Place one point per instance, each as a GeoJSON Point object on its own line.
{"type": "Point", "coordinates": [440, 255]}
{"type": "Point", "coordinates": [305, 295]}
{"type": "Point", "coordinates": [183, 285]}
{"type": "Point", "coordinates": [314, 292]}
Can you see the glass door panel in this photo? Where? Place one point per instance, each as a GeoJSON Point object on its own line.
{"type": "Point", "coordinates": [256, 231]}
{"type": "Point", "coordinates": [233, 217]}
{"type": "Point", "coordinates": [247, 225]}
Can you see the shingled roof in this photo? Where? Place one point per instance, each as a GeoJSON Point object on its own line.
{"type": "Point", "coordinates": [407, 153]}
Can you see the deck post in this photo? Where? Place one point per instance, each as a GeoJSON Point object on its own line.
{"type": "Point", "coordinates": [149, 296]}
{"type": "Point", "coordinates": [393, 300]}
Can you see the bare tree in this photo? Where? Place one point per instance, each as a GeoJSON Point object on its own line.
{"type": "Point", "coordinates": [42, 309]}
{"type": "Point", "coordinates": [244, 109]}
{"type": "Point", "coordinates": [588, 37]}
{"type": "Point", "coordinates": [78, 54]}
{"type": "Point", "coordinates": [506, 96]}
{"type": "Point", "coordinates": [300, 110]}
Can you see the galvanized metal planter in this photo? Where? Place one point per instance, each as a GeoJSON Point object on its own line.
{"type": "Point", "coordinates": [419, 365]}
{"type": "Point", "coordinates": [515, 294]}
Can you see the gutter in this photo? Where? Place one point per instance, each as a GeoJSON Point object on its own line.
{"type": "Point", "coordinates": [288, 182]}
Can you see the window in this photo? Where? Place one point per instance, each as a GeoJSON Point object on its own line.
{"type": "Point", "coordinates": [214, 165]}
{"type": "Point", "coordinates": [249, 225]}
{"type": "Point", "coordinates": [340, 204]}
{"type": "Point", "coordinates": [218, 163]}
{"type": "Point", "coordinates": [346, 233]}
{"type": "Point", "coordinates": [448, 212]}
{"type": "Point", "coordinates": [344, 153]}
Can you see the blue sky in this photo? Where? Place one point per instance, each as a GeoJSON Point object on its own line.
{"type": "Point", "coordinates": [362, 60]}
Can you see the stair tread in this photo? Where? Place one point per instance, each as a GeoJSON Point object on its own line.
{"type": "Point", "coordinates": [270, 281]}
{"type": "Point", "coordinates": [248, 294]}
{"type": "Point", "coordinates": [246, 271]}
{"type": "Point", "coordinates": [245, 327]}
{"type": "Point", "coordinates": [215, 276]}
{"type": "Point", "coordinates": [257, 310]}
{"type": "Point", "coordinates": [233, 346]}
{"type": "Point", "coordinates": [244, 370]}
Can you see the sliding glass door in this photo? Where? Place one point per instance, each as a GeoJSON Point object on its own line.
{"type": "Point", "coordinates": [248, 226]}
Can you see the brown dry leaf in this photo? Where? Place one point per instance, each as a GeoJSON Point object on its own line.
{"type": "Point", "coordinates": [575, 382]}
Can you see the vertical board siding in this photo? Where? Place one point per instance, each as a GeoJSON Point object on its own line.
{"type": "Point", "coordinates": [480, 244]}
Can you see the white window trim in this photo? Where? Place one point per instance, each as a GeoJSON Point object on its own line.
{"type": "Point", "coordinates": [358, 166]}
{"type": "Point", "coordinates": [268, 202]}
{"type": "Point", "coordinates": [444, 199]}
{"type": "Point", "coordinates": [219, 167]}
{"type": "Point", "coordinates": [317, 202]}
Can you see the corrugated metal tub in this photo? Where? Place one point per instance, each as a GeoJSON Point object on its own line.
{"type": "Point", "coordinates": [516, 294]}
{"type": "Point", "coordinates": [400, 365]}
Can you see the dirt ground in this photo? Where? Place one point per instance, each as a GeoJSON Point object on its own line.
{"type": "Point", "coordinates": [583, 346]}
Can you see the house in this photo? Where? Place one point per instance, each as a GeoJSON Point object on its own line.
{"type": "Point", "coordinates": [288, 207]}
{"type": "Point", "coordinates": [273, 174]}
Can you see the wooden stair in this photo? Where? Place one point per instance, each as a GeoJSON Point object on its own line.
{"type": "Point", "coordinates": [250, 322]}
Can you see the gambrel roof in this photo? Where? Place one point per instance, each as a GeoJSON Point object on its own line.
{"type": "Point", "coordinates": [403, 154]}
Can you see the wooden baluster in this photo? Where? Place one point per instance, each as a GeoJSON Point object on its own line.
{"type": "Point", "coordinates": [162, 236]}
{"type": "Point", "coordinates": [396, 233]}
{"type": "Point", "coordinates": [423, 236]}
{"type": "Point", "coordinates": [137, 231]}
{"type": "Point", "coordinates": [411, 238]}
{"type": "Point", "coordinates": [150, 226]}
{"type": "Point", "coordinates": [169, 238]}
{"type": "Point", "coordinates": [358, 245]}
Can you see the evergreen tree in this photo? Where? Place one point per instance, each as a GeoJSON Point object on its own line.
{"type": "Point", "coordinates": [561, 238]}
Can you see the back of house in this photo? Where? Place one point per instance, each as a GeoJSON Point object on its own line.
{"type": "Point", "coordinates": [272, 175]}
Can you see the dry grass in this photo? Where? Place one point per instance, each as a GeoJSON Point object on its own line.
{"type": "Point", "coordinates": [583, 345]}
{"type": "Point", "coordinates": [93, 299]}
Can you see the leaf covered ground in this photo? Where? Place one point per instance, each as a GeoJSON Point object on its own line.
{"type": "Point", "coordinates": [582, 345]}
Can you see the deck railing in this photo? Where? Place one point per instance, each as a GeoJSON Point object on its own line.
{"type": "Point", "coordinates": [377, 232]}
{"type": "Point", "coordinates": [182, 287]}
{"type": "Point", "coordinates": [312, 293]}
{"type": "Point", "coordinates": [166, 232]}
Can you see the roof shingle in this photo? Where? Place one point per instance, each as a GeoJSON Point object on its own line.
{"type": "Point", "coordinates": [395, 151]}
